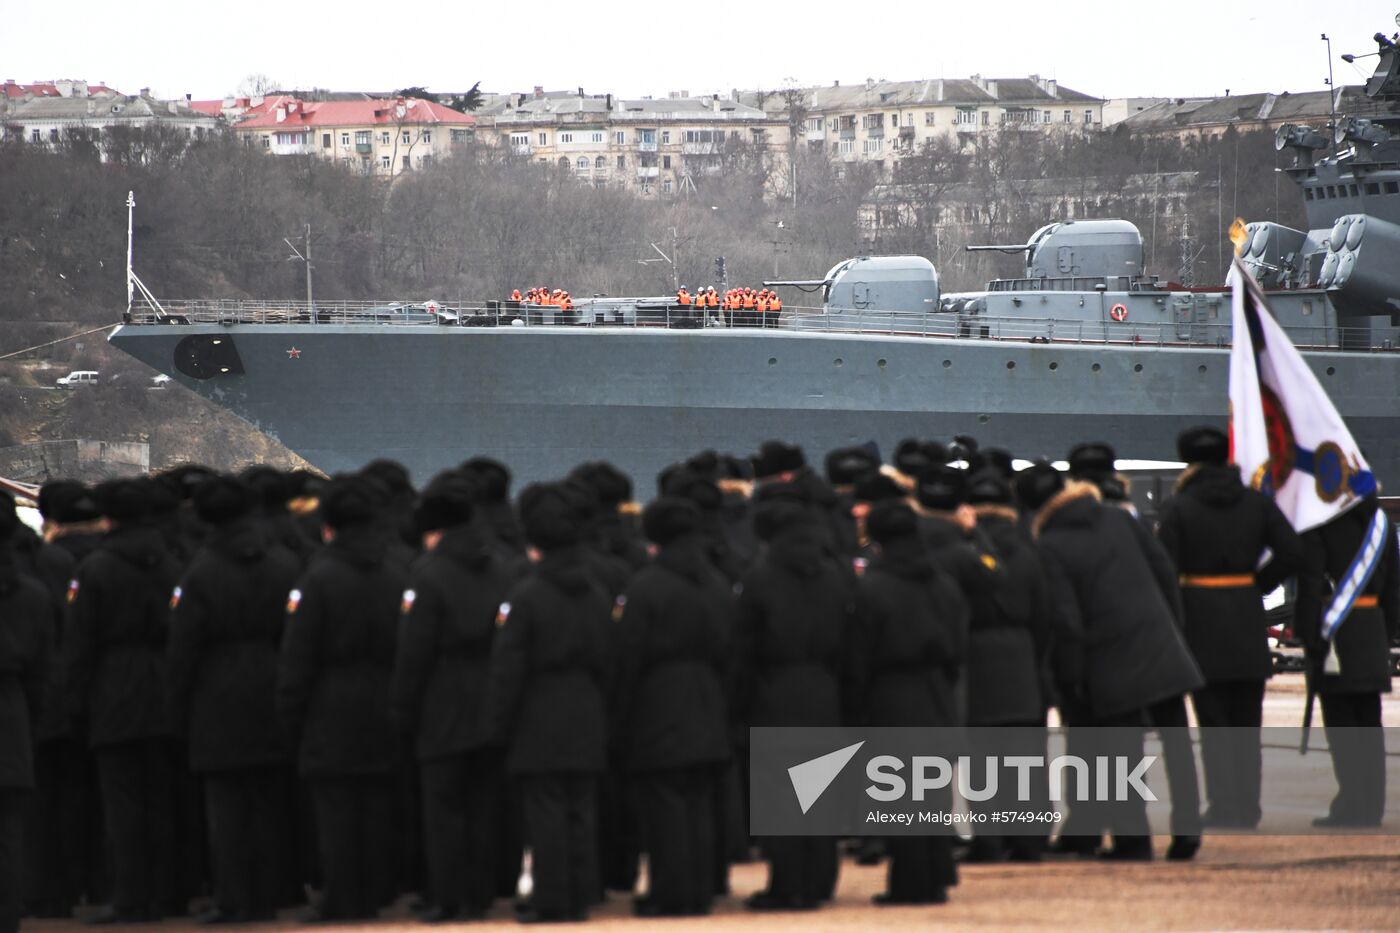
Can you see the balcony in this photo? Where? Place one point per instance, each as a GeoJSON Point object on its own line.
{"type": "Point", "coordinates": [699, 149]}
{"type": "Point", "coordinates": [522, 149]}
{"type": "Point", "coordinates": [848, 132]}
{"type": "Point", "coordinates": [875, 132]}
{"type": "Point", "coordinates": [648, 171]}
{"type": "Point", "coordinates": [646, 146]}
{"type": "Point", "coordinates": [906, 132]}
{"type": "Point", "coordinates": [364, 148]}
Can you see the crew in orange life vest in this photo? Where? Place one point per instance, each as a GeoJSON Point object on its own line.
{"type": "Point", "coordinates": [515, 295]}
{"type": "Point", "coordinates": [565, 301]}
{"type": "Point", "coordinates": [682, 296]}
{"type": "Point", "coordinates": [711, 298]}
{"type": "Point", "coordinates": [775, 304]}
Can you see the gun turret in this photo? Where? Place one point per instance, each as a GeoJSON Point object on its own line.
{"type": "Point", "coordinates": [797, 283]}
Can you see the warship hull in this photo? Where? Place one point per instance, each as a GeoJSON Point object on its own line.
{"type": "Point", "coordinates": [544, 398]}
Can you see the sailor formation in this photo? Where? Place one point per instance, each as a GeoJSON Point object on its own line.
{"type": "Point", "coordinates": [221, 692]}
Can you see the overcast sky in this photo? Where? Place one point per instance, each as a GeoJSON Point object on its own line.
{"type": "Point", "coordinates": [1109, 49]}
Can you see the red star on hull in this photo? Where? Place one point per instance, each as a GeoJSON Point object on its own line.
{"type": "Point", "coordinates": [293, 354]}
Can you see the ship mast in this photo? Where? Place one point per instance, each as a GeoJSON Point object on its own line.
{"type": "Point", "coordinates": [133, 281]}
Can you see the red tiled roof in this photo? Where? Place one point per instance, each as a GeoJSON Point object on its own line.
{"type": "Point", "coordinates": [310, 114]}
{"type": "Point", "coordinates": [46, 89]}
{"type": "Point", "coordinates": [212, 108]}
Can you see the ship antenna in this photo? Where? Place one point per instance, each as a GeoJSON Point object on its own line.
{"type": "Point", "coordinates": [132, 279]}
{"type": "Point", "coordinates": [1331, 97]}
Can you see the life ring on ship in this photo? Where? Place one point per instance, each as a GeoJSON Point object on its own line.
{"type": "Point", "coordinates": [1118, 312]}
{"type": "Point", "coordinates": [431, 307]}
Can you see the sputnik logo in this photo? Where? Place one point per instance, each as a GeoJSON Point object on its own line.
{"type": "Point", "coordinates": [810, 779]}
{"type": "Point", "coordinates": [293, 354]}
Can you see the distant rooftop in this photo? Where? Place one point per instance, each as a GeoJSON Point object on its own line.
{"type": "Point", "coordinates": [976, 90]}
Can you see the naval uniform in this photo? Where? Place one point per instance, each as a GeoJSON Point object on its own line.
{"type": "Point", "coordinates": [445, 635]}
{"type": "Point", "coordinates": [333, 698]}
{"type": "Point", "coordinates": [1215, 531]}
{"type": "Point", "coordinates": [545, 698]}
{"type": "Point", "coordinates": [226, 628]}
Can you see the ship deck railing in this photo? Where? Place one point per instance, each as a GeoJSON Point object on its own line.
{"type": "Point", "coordinates": [659, 313]}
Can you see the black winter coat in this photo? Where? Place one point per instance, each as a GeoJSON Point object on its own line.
{"type": "Point", "coordinates": [27, 616]}
{"type": "Point", "coordinates": [1215, 526]}
{"type": "Point", "coordinates": [338, 656]}
{"type": "Point", "coordinates": [795, 633]}
{"type": "Point", "coordinates": [673, 642]}
{"type": "Point", "coordinates": [52, 567]}
{"type": "Point", "coordinates": [118, 623]}
{"type": "Point", "coordinates": [1114, 593]}
{"type": "Point", "coordinates": [1362, 642]}
{"type": "Point", "coordinates": [226, 624]}
{"type": "Point", "coordinates": [446, 631]}
{"type": "Point", "coordinates": [1009, 639]}
{"type": "Point", "coordinates": [550, 669]}
{"type": "Point", "coordinates": [913, 640]}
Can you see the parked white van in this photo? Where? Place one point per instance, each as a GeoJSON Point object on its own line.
{"type": "Point", "coordinates": [79, 377]}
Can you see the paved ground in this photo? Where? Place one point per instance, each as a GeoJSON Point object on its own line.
{"type": "Point", "coordinates": [1235, 883]}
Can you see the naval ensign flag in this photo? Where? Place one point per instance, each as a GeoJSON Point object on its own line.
{"type": "Point", "coordinates": [1288, 439]}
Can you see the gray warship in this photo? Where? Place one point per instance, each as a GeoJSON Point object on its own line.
{"type": "Point", "coordinates": [1082, 345]}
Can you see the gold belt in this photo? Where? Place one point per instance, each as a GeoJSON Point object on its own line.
{"type": "Point", "coordinates": [1217, 581]}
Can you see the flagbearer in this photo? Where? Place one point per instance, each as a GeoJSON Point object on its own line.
{"type": "Point", "coordinates": [1216, 531]}
{"type": "Point", "coordinates": [1289, 441]}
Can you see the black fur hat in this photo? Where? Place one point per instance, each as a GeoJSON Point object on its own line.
{"type": "Point", "coordinates": [989, 487]}
{"type": "Point", "coordinates": [611, 487]}
{"type": "Point", "coordinates": [446, 503]}
{"type": "Point", "coordinates": [554, 515]}
{"type": "Point", "coordinates": [393, 475]}
{"type": "Point", "coordinates": [846, 466]}
{"type": "Point", "coordinates": [219, 500]}
{"type": "Point", "coordinates": [913, 456]}
{"type": "Point", "coordinates": [350, 499]}
{"type": "Point", "coordinates": [994, 458]}
{"type": "Point", "coordinates": [695, 487]}
{"type": "Point", "coordinates": [776, 457]}
{"type": "Point", "coordinates": [668, 518]}
{"type": "Point", "coordinates": [125, 500]}
{"type": "Point", "coordinates": [1037, 484]}
{"type": "Point", "coordinates": [66, 501]}
{"type": "Point", "coordinates": [942, 488]}
{"type": "Point", "coordinates": [877, 487]}
{"type": "Point", "coordinates": [1092, 461]}
{"type": "Point", "coordinates": [774, 515]}
{"type": "Point", "coordinates": [491, 478]}
{"type": "Point", "coordinates": [891, 520]}
{"type": "Point", "coordinates": [1203, 444]}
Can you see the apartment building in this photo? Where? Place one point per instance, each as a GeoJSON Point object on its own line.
{"type": "Point", "coordinates": [655, 146]}
{"type": "Point", "coordinates": [377, 137]}
{"type": "Point", "coordinates": [880, 121]}
{"type": "Point", "coordinates": [44, 113]}
{"type": "Point", "coordinates": [1207, 117]}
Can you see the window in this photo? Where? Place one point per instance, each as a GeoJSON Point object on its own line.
{"type": "Point", "coordinates": [566, 138]}
{"type": "Point", "coordinates": [621, 162]}
{"type": "Point", "coordinates": [1088, 116]}
{"type": "Point", "coordinates": [520, 142]}
{"type": "Point", "coordinates": [1067, 117]}
{"type": "Point", "coordinates": [425, 160]}
{"type": "Point", "coordinates": [665, 137]}
{"type": "Point", "coordinates": [267, 142]}
{"type": "Point", "coordinates": [53, 134]}
{"type": "Point", "coordinates": [325, 140]}
{"type": "Point", "coordinates": [665, 161]}
{"type": "Point", "coordinates": [600, 163]}
{"type": "Point", "coordinates": [544, 139]}
{"type": "Point", "coordinates": [966, 117]}
{"type": "Point", "coordinates": [620, 138]}
{"type": "Point", "coordinates": [666, 185]}
{"type": "Point", "coordinates": [384, 138]}
{"type": "Point", "coordinates": [345, 139]}
{"type": "Point", "coordinates": [758, 136]}
{"type": "Point", "coordinates": [460, 136]}
{"type": "Point", "coordinates": [425, 135]}
{"type": "Point", "coordinates": [873, 146]}
{"type": "Point", "coordinates": [407, 137]}
{"type": "Point", "coordinates": [847, 147]}
{"type": "Point", "coordinates": [986, 117]}
{"type": "Point", "coordinates": [362, 137]}
{"type": "Point", "coordinates": [928, 118]}
{"type": "Point", "coordinates": [814, 125]}
{"type": "Point", "coordinates": [582, 165]}
{"type": "Point", "coordinates": [405, 163]}
{"type": "Point", "coordinates": [35, 136]}
{"type": "Point", "coordinates": [1045, 117]}
{"type": "Point", "coordinates": [598, 137]}
{"type": "Point", "coordinates": [908, 119]}
{"type": "Point", "coordinates": [894, 119]}
{"type": "Point", "coordinates": [291, 139]}
{"type": "Point", "coordinates": [384, 161]}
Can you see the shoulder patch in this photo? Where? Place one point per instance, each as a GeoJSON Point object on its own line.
{"type": "Point", "coordinates": [293, 600]}
{"type": "Point", "coordinates": [859, 564]}
{"type": "Point", "coordinates": [619, 607]}
{"type": "Point", "coordinates": [989, 561]}
{"type": "Point", "coordinates": [502, 614]}
{"type": "Point", "coordinates": [72, 589]}
{"type": "Point", "coordinates": [175, 598]}
{"type": "Point", "coordinates": [408, 597]}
